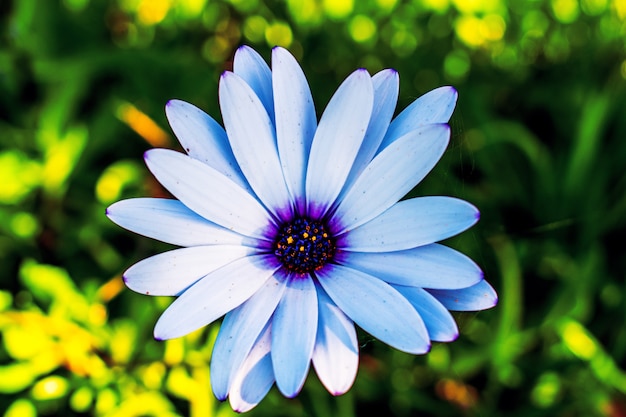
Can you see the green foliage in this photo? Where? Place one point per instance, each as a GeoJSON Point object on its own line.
{"type": "Point", "coordinates": [538, 145]}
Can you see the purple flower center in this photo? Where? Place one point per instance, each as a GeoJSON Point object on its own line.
{"type": "Point", "coordinates": [304, 245]}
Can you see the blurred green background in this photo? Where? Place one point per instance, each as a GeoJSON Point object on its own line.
{"type": "Point", "coordinates": [538, 144]}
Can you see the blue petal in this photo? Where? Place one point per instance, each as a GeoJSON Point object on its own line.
{"type": "Point", "coordinates": [215, 295]}
{"type": "Point", "coordinates": [208, 192]}
{"type": "Point", "coordinates": [255, 377]}
{"type": "Point", "coordinates": [337, 141]}
{"type": "Point", "coordinates": [203, 139]}
{"type": "Point", "coordinates": [170, 221]}
{"type": "Point", "coordinates": [392, 174]}
{"type": "Point", "coordinates": [480, 296]}
{"type": "Point", "coordinates": [430, 266]}
{"type": "Point", "coordinates": [439, 322]}
{"type": "Point", "coordinates": [295, 120]}
{"type": "Point", "coordinates": [435, 106]}
{"type": "Point", "coordinates": [375, 306]}
{"type": "Point", "coordinates": [336, 353]}
{"type": "Point", "coordinates": [250, 66]}
{"type": "Point", "coordinates": [411, 223]}
{"type": "Point", "coordinates": [386, 85]}
{"type": "Point", "coordinates": [239, 331]}
{"type": "Point", "coordinates": [252, 138]}
{"type": "Point", "coordinates": [171, 273]}
{"type": "Point", "coordinates": [293, 334]}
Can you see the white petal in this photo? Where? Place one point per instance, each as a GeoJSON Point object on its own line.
{"type": "Point", "coordinates": [392, 174]}
{"type": "Point", "coordinates": [250, 66]}
{"type": "Point", "coordinates": [215, 295]}
{"type": "Point", "coordinates": [386, 86]}
{"type": "Point", "coordinates": [295, 120]}
{"type": "Point", "coordinates": [252, 138]}
{"type": "Point", "coordinates": [439, 322]}
{"type": "Point", "coordinates": [336, 353]}
{"type": "Point", "coordinates": [170, 221]}
{"type": "Point", "coordinates": [203, 139]}
{"type": "Point", "coordinates": [430, 266]}
{"type": "Point", "coordinates": [256, 376]}
{"type": "Point", "coordinates": [411, 223]}
{"type": "Point", "coordinates": [208, 192]}
{"type": "Point", "coordinates": [240, 329]}
{"type": "Point", "coordinates": [293, 334]}
{"type": "Point", "coordinates": [337, 141]}
{"type": "Point", "coordinates": [480, 296]}
{"type": "Point", "coordinates": [436, 106]}
{"type": "Point", "coordinates": [171, 273]}
{"type": "Point", "coordinates": [376, 307]}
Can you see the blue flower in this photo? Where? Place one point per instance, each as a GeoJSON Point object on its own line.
{"type": "Point", "coordinates": [293, 229]}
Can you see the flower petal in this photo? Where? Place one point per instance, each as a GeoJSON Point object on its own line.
{"type": "Point", "coordinates": [439, 322]}
{"type": "Point", "coordinates": [170, 221]}
{"type": "Point", "coordinates": [337, 141]}
{"type": "Point", "coordinates": [252, 139]}
{"type": "Point", "coordinates": [375, 306]}
{"type": "Point", "coordinates": [203, 139]}
{"type": "Point", "coordinates": [240, 330]}
{"type": "Point", "coordinates": [171, 273]}
{"type": "Point", "coordinates": [250, 66]}
{"type": "Point", "coordinates": [295, 120]}
{"type": "Point", "coordinates": [430, 266]}
{"type": "Point", "coordinates": [411, 223]}
{"type": "Point", "coordinates": [386, 86]}
{"type": "Point", "coordinates": [436, 106]}
{"type": "Point", "coordinates": [293, 336]}
{"type": "Point", "coordinates": [336, 353]}
{"type": "Point", "coordinates": [256, 376]}
{"type": "Point", "coordinates": [392, 174]}
{"type": "Point", "coordinates": [480, 296]}
{"type": "Point", "coordinates": [215, 295]}
{"type": "Point", "coordinates": [208, 192]}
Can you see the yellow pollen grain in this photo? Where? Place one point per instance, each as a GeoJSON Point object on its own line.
{"type": "Point", "coordinates": [305, 235]}
{"type": "Point", "coordinates": [314, 238]}
{"type": "Point", "coordinates": [325, 235]}
{"type": "Point", "coordinates": [301, 248]}
{"type": "Point", "coordinates": [290, 240]}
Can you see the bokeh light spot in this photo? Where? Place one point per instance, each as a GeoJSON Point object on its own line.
{"type": "Point", "coordinates": [456, 65]}
{"type": "Point", "coordinates": [21, 408]}
{"type": "Point", "coordinates": [254, 28]}
{"type": "Point", "coordinates": [24, 225]}
{"type": "Point", "coordinates": [151, 12]}
{"type": "Point", "coordinates": [50, 388]}
{"type": "Point", "coordinates": [578, 341]}
{"type": "Point", "coordinates": [81, 400]}
{"type": "Point", "coordinates": [403, 43]}
{"type": "Point", "coordinates": [386, 5]}
{"type": "Point", "coordinates": [594, 7]}
{"type": "Point", "coordinates": [216, 49]}
{"type": "Point", "coordinates": [362, 28]}
{"type": "Point", "coordinates": [143, 125]}
{"type": "Point", "coordinates": [19, 174]}
{"type": "Point", "coordinates": [439, 6]}
{"type": "Point", "coordinates": [191, 8]}
{"type": "Point", "coordinates": [492, 27]}
{"type": "Point", "coordinates": [545, 392]}
{"type": "Point", "coordinates": [338, 9]}
{"type": "Point", "coordinates": [477, 6]}
{"type": "Point", "coordinates": [468, 29]}
{"type": "Point", "coordinates": [566, 11]}
{"type": "Point", "coordinates": [115, 178]}
{"type": "Point", "coordinates": [279, 34]}
{"type": "Point", "coordinates": [304, 11]}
